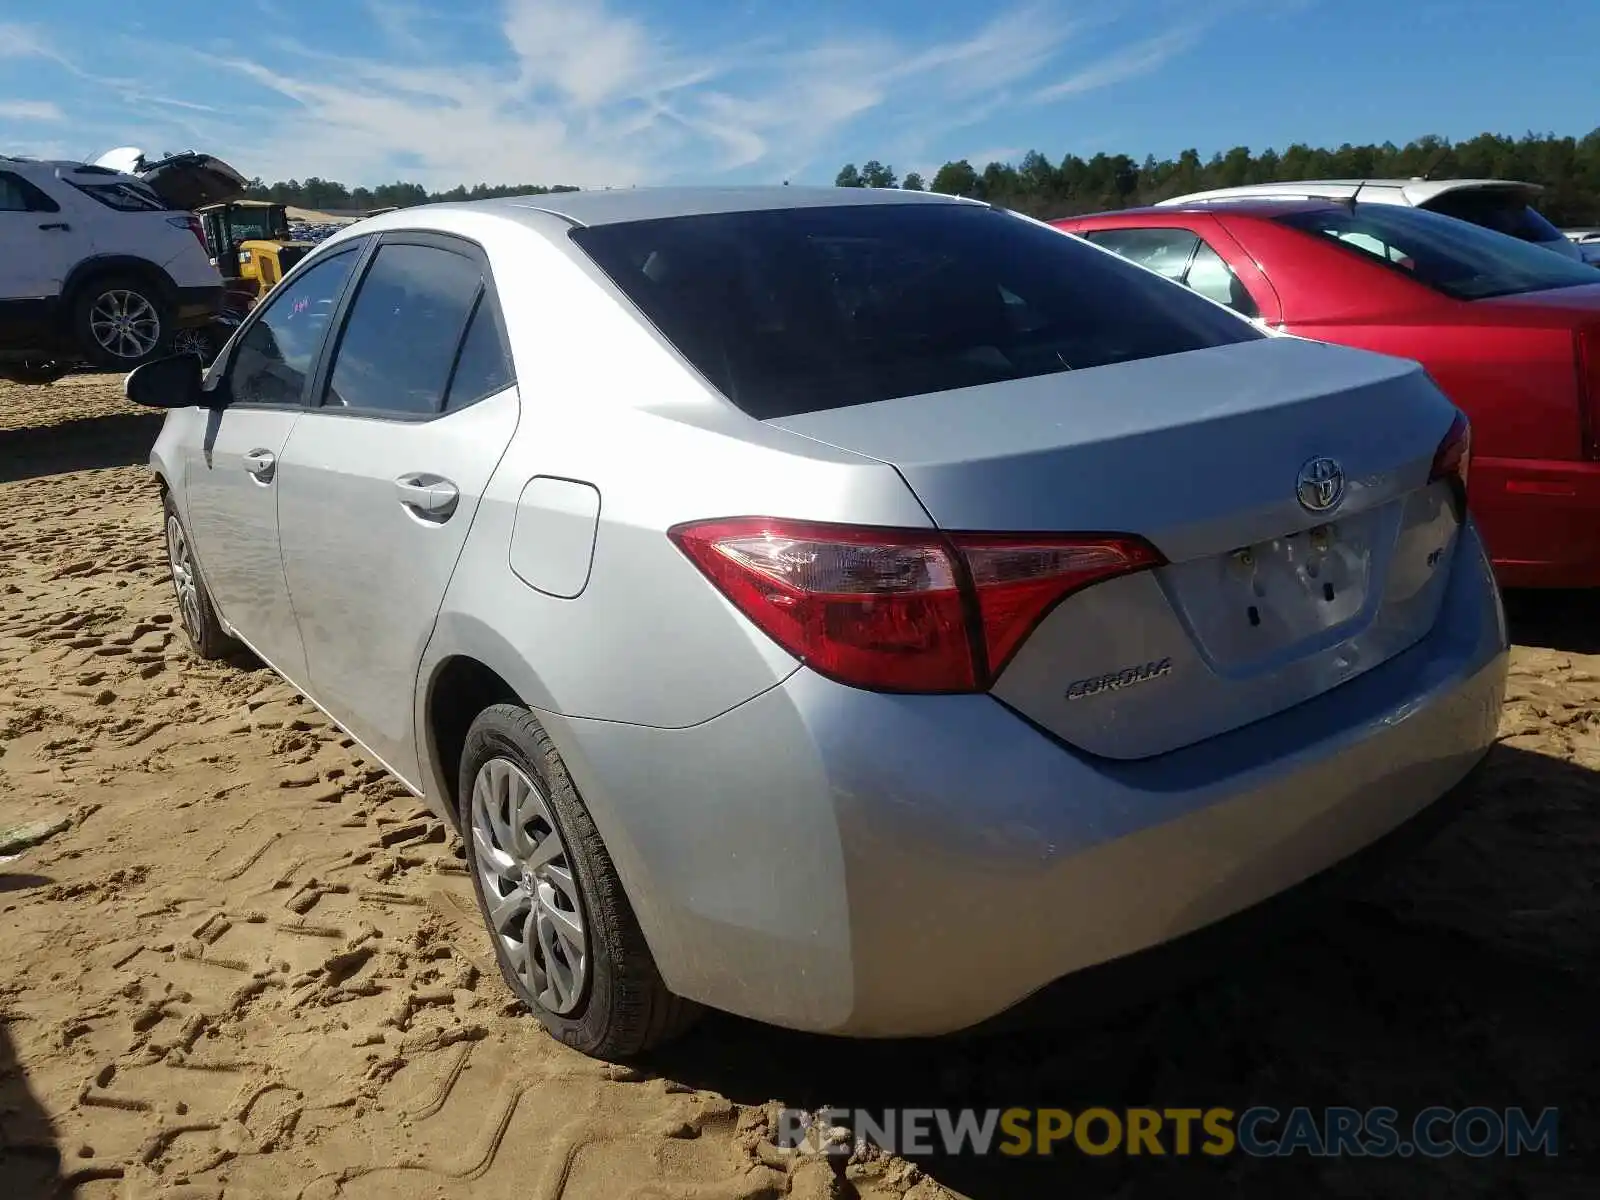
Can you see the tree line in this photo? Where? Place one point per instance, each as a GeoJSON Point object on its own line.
{"type": "Point", "coordinates": [1569, 169]}
{"type": "Point", "coordinates": [327, 194]}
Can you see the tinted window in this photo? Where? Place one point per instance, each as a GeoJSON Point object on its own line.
{"type": "Point", "coordinates": [18, 195]}
{"type": "Point", "coordinates": [1499, 211]}
{"type": "Point", "coordinates": [1164, 251]}
{"type": "Point", "coordinates": [484, 367]}
{"type": "Point", "coordinates": [800, 310]}
{"type": "Point", "coordinates": [126, 196]}
{"type": "Point", "coordinates": [1458, 259]}
{"type": "Point", "coordinates": [275, 353]}
{"type": "Point", "coordinates": [403, 331]}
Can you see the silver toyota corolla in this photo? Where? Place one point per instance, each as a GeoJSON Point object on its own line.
{"type": "Point", "coordinates": [851, 609]}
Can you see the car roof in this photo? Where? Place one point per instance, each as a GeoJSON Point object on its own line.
{"type": "Point", "coordinates": [654, 203]}
{"type": "Point", "coordinates": [1416, 191]}
{"type": "Point", "coordinates": [1252, 206]}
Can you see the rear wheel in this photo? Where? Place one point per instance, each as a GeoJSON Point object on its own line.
{"type": "Point", "coordinates": [563, 931]}
{"type": "Point", "coordinates": [120, 322]}
{"type": "Point", "coordinates": [198, 341]}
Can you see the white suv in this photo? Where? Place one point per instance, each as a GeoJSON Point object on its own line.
{"type": "Point", "coordinates": [96, 265]}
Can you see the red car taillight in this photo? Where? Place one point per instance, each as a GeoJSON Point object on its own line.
{"type": "Point", "coordinates": [1453, 459]}
{"type": "Point", "coordinates": [1588, 348]}
{"type": "Point", "coordinates": [902, 610]}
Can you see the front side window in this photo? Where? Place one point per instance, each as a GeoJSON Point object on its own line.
{"type": "Point", "coordinates": [276, 353]}
{"type": "Point", "coordinates": [405, 325]}
{"type": "Point", "coordinates": [802, 310]}
{"type": "Point", "coordinates": [1461, 260]}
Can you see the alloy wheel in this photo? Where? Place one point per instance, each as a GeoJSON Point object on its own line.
{"type": "Point", "coordinates": [528, 886]}
{"type": "Point", "coordinates": [125, 324]}
{"type": "Point", "coordinates": [184, 581]}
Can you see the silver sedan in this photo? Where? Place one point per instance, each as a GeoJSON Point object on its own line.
{"type": "Point", "coordinates": [851, 609]}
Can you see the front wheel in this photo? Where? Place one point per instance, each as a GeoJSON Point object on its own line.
{"type": "Point", "coordinates": [195, 610]}
{"type": "Point", "coordinates": [198, 341]}
{"type": "Point", "coordinates": [564, 934]}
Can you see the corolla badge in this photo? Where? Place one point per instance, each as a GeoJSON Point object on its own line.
{"type": "Point", "coordinates": [1320, 486]}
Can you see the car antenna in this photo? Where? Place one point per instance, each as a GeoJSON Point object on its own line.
{"type": "Point", "coordinates": [1351, 198]}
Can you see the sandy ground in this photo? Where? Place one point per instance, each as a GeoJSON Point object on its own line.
{"type": "Point", "coordinates": [250, 965]}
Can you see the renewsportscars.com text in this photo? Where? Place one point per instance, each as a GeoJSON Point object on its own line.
{"type": "Point", "coordinates": [1260, 1131]}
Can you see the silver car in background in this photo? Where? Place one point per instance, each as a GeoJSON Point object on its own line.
{"type": "Point", "coordinates": [850, 609]}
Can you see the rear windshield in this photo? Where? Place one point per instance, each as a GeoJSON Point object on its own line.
{"type": "Point", "coordinates": [1503, 212]}
{"type": "Point", "coordinates": [802, 310]}
{"type": "Point", "coordinates": [124, 195]}
{"type": "Point", "coordinates": [1450, 256]}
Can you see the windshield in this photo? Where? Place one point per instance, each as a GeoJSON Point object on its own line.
{"type": "Point", "coordinates": [1456, 258]}
{"type": "Point", "coordinates": [803, 310]}
{"type": "Point", "coordinates": [259, 224]}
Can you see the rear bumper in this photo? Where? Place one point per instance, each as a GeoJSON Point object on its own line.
{"type": "Point", "coordinates": [875, 865]}
{"type": "Point", "coordinates": [1541, 520]}
{"type": "Point", "coordinates": [197, 305]}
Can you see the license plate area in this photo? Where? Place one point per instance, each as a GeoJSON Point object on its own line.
{"type": "Point", "coordinates": [1259, 603]}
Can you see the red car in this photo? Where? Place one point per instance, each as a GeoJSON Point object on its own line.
{"type": "Point", "coordinates": [1510, 331]}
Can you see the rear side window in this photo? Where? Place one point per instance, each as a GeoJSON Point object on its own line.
{"type": "Point", "coordinates": [1502, 212]}
{"type": "Point", "coordinates": [802, 310]}
{"type": "Point", "coordinates": [123, 195]}
{"type": "Point", "coordinates": [1164, 251]}
{"type": "Point", "coordinates": [405, 325]}
{"type": "Point", "coordinates": [1451, 256]}
{"type": "Point", "coordinates": [484, 367]}
{"type": "Point", "coordinates": [18, 195]}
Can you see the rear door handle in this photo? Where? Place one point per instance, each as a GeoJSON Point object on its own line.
{"type": "Point", "coordinates": [429, 496]}
{"type": "Point", "coordinates": [55, 225]}
{"type": "Point", "coordinates": [261, 464]}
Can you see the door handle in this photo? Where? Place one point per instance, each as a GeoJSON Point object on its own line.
{"type": "Point", "coordinates": [429, 496]}
{"type": "Point", "coordinates": [62, 225]}
{"type": "Point", "coordinates": [261, 464]}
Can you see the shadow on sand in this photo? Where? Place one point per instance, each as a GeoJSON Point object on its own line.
{"type": "Point", "coordinates": [30, 1159]}
{"type": "Point", "coordinates": [1555, 620]}
{"type": "Point", "coordinates": [77, 444]}
{"type": "Point", "coordinates": [1459, 966]}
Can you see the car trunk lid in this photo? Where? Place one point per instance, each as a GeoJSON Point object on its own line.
{"type": "Point", "coordinates": [1220, 459]}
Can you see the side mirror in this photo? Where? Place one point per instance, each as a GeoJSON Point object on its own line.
{"type": "Point", "coordinates": [172, 382]}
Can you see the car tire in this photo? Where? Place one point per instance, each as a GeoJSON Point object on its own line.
{"type": "Point", "coordinates": [121, 322]}
{"type": "Point", "coordinates": [195, 610]}
{"type": "Point", "coordinates": [34, 373]}
{"type": "Point", "coordinates": [615, 1005]}
{"type": "Point", "coordinates": [198, 341]}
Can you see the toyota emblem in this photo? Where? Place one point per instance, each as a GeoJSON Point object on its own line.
{"type": "Point", "coordinates": [1320, 486]}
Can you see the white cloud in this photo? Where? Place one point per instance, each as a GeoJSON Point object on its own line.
{"type": "Point", "coordinates": [30, 110]}
{"type": "Point", "coordinates": [1139, 59]}
{"type": "Point", "coordinates": [579, 91]}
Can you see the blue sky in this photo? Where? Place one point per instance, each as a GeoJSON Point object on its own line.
{"type": "Point", "coordinates": [626, 92]}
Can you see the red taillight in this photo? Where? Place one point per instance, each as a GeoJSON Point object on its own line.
{"type": "Point", "coordinates": [1453, 459]}
{"type": "Point", "coordinates": [1588, 347]}
{"type": "Point", "coordinates": [905, 610]}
